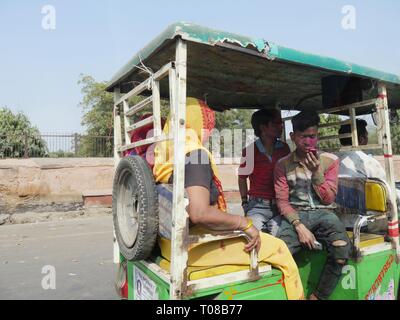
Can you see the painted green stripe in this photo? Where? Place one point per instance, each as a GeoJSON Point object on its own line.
{"type": "Point", "coordinates": [295, 56]}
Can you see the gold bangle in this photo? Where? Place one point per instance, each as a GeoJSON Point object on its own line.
{"type": "Point", "coordinates": [296, 222]}
{"type": "Point", "coordinates": [249, 225]}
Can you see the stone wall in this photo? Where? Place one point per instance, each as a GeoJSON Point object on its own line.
{"type": "Point", "coordinates": [63, 182]}
{"type": "Point", "coordinates": [34, 183]}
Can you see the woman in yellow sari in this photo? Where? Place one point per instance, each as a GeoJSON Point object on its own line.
{"type": "Point", "coordinates": [207, 206]}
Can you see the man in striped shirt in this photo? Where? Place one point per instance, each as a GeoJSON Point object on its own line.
{"type": "Point", "coordinates": [306, 186]}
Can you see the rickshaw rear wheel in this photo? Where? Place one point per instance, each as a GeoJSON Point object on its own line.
{"type": "Point", "coordinates": [135, 208]}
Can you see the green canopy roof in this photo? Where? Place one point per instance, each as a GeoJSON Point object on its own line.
{"type": "Point", "coordinates": [237, 71]}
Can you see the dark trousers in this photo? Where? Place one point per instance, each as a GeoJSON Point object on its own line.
{"type": "Point", "coordinates": [331, 233]}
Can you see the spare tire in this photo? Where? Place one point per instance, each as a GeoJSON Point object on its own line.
{"type": "Point", "coordinates": [135, 208]}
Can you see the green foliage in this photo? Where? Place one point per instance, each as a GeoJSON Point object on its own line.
{"type": "Point", "coordinates": [97, 107]}
{"type": "Point", "coordinates": [234, 119]}
{"type": "Point", "coordinates": [332, 131]}
{"type": "Point", "coordinates": [228, 121]}
{"type": "Point", "coordinates": [61, 154]}
{"type": "Point", "coordinates": [18, 137]}
{"type": "Point", "coordinates": [372, 135]}
{"type": "Point", "coordinates": [395, 134]}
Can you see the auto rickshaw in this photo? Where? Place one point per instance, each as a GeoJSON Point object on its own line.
{"type": "Point", "coordinates": [234, 71]}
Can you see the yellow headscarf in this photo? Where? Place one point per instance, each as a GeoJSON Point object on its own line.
{"type": "Point", "coordinates": [200, 120]}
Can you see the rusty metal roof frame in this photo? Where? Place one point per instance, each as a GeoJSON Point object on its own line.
{"type": "Point", "coordinates": [233, 71]}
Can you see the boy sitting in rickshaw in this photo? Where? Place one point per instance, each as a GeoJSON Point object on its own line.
{"type": "Point", "coordinates": [306, 186]}
{"type": "Point", "coordinates": [257, 165]}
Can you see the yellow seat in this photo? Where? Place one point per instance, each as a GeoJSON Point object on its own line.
{"type": "Point", "coordinates": [357, 195]}
{"type": "Point", "coordinates": [375, 196]}
{"type": "Point", "coordinates": [368, 239]}
{"type": "Point", "coordinates": [209, 259]}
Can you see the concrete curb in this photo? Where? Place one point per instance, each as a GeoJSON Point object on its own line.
{"type": "Point", "coordinates": [36, 217]}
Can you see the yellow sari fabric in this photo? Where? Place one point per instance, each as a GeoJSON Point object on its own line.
{"type": "Point", "coordinates": [227, 252]}
{"type": "Point", "coordinates": [273, 251]}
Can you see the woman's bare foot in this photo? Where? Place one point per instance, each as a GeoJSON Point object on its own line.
{"type": "Point", "coordinates": [313, 297]}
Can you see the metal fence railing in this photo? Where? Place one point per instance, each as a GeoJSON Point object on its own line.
{"type": "Point", "coordinates": [55, 145]}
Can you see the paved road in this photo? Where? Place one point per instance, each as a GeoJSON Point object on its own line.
{"type": "Point", "coordinates": [80, 251]}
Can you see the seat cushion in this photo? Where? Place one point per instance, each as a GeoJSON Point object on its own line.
{"type": "Point", "coordinates": [375, 196]}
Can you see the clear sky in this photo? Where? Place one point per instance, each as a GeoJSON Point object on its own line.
{"type": "Point", "coordinates": [39, 68]}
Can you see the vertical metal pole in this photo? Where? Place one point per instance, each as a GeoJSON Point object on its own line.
{"type": "Point", "coordinates": [179, 243]}
{"type": "Point", "coordinates": [117, 156]}
{"type": "Point", "coordinates": [76, 144]}
{"type": "Point", "coordinates": [383, 108]}
{"type": "Point", "coordinates": [156, 108]}
{"type": "Point", "coordinates": [26, 152]}
{"type": "Point", "coordinates": [353, 120]}
{"type": "Point", "coordinates": [278, 107]}
{"type": "Point", "coordinates": [127, 123]}
{"type": "Point", "coordinates": [379, 127]}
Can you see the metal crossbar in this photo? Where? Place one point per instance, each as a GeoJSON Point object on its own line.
{"type": "Point", "coordinates": [352, 105]}
{"type": "Point", "coordinates": [145, 85]}
{"type": "Point", "coordinates": [337, 136]}
{"type": "Point", "coordinates": [140, 124]}
{"type": "Point", "coordinates": [140, 106]}
{"type": "Point", "coordinates": [145, 142]}
{"type": "Point", "coordinates": [151, 84]}
{"type": "Point", "coordinates": [225, 279]}
{"type": "Point", "coordinates": [334, 124]}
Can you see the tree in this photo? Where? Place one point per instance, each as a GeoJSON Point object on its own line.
{"type": "Point", "coordinates": [395, 134]}
{"type": "Point", "coordinates": [97, 107]}
{"type": "Point", "coordinates": [227, 122]}
{"type": "Point", "coordinates": [18, 138]}
{"type": "Point", "coordinates": [61, 154]}
{"type": "Point", "coordinates": [234, 119]}
{"type": "Point", "coordinates": [332, 131]}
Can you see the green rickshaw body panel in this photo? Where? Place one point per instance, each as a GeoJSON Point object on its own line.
{"type": "Point", "coordinates": [378, 277]}
{"type": "Point", "coordinates": [269, 287]}
{"type": "Point", "coordinates": [375, 277]}
{"type": "Point", "coordinates": [140, 276]}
